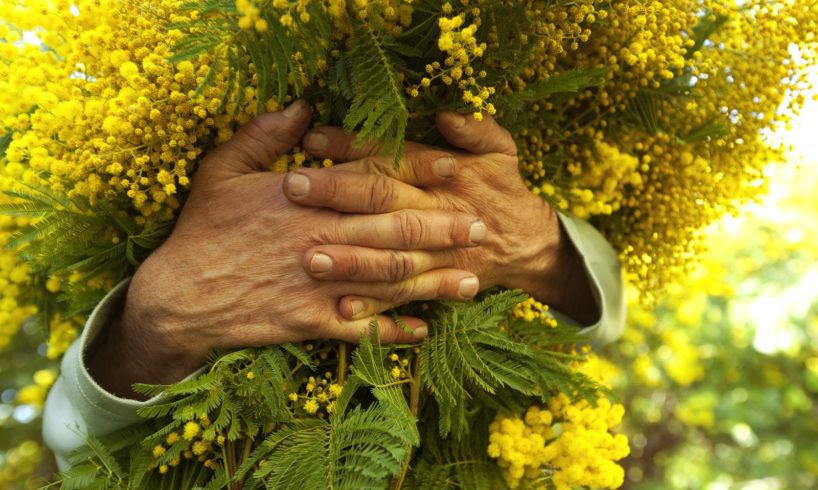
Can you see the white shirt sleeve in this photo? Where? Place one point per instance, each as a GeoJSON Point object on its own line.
{"type": "Point", "coordinates": [76, 404]}
{"type": "Point", "coordinates": [605, 274]}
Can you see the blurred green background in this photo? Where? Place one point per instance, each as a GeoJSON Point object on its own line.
{"type": "Point", "coordinates": [719, 379]}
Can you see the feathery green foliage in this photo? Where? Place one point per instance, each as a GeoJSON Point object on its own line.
{"type": "Point", "coordinates": [478, 360]}
{"type": "Point", "coordinates": [378, 110]}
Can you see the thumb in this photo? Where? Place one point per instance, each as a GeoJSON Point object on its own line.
{"type": "Point", "coordinates": [261, 141]}
{"type": "Point", "coordinates": [478, 137]}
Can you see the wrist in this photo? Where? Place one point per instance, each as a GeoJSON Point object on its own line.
{"type": "Point", "coordinates": [137, 347]}
{"type": "Point", "coordinates": [536, 254]}
{"type": "Point", "coordinates": [552, 270]}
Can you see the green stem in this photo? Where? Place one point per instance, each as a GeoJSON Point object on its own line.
{"type": "Point", "coordinates": [245, 453]}
{"type": "Point", "coordinates": [230, 447]}
{"type": "Point", "coordinates": [414, 406]}
{"type": "Point", "coordinates": [342, 363]}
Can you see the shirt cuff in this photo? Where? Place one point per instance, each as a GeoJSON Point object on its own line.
{"type": "Point", "coordinates": [604, 271]}
{"type": "Point", "coordinates": [77, 406]}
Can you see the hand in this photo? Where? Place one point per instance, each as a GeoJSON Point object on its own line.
{"type": "Point", "coordinates": [525, 246]}
{"type": "Point", "coordinates": [230, 275]}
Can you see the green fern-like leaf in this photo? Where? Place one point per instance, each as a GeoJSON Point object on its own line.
{"type": "Point", "coordinates": [368, 367]}
{"type": "Point", "coordinates": [356, 450]}
{"type": "Point", "coordinates": [467, 355]}
{"type": "Point", "coordinates": [378, 110]}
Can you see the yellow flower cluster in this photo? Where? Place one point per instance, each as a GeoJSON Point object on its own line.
{"type": "Point", "coordinates": [567, 442]}
{"type": "Point", "coordinates": [531, 309]}
{"type": "Point", "coordinates": [104, 114]}
{"type": "Point", "coordinates": [61, 335]}
{"type": "Point", "coordinates": [600, 370]}
{"type": "Point", "coordinates": [699, 155]}
{"type": "Point", "coordinates": [394, 15]}
{"type": "Point", "coordinates": [14, 277]}
{"type": "Point", "coordinates": [677, 357]}
{"type": "Point", "coordinates": [109, 115]}
{"type": "Point", "coordinates": [317, 394]}
{"type": "Point", "coordinates": [198, 444]}
{"type": "Point", "coordinates": [34, 394]}
{"type": "Point", "coordinates": [400, 367]}
{"type": "Point", "coordinates": [250, 15]}
{"type": "Point", "coordinates": [458, 42]}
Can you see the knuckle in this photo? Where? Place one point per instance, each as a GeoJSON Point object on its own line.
{"type": "Point", "coordinates": [446, 287]}
{"type": "Point", "coordinates": [332, 188]}
{"type": "Point", "coordinates": [353, 265]}
{"type": "Point", "coordinates": [328, 234]}
{"type": "Point", "coordinates": [459, 231]}
{"type": "Point", "coordinates": [373, 165]}
{"type": "Point", "coordinates": [256, 140]}
{"type": "Point", "coordinates": [410, 228]}
{"type": "Point", "coordinates": [400, 266]}
{"type": "Point", "coordinates": [403, 292]}
{"type": "Point", "coordinates": [382, 195]}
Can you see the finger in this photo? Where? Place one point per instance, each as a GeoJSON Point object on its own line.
{"type": "Point", "coordinates": [478, 137]}
{"type": "Point", "coordinates": [338, 145]}
{"type": "Point", "coordinates": [421, 168]}
{"type": "Point", "coordinates": [258, 143]}
{"type": "Point", "coordinates": [420, 165]}
{"type": "Point", "coordinates": [362, 264]}
{"type": "Point", "coordinates": [410, 229]}
{"type": "Point", "coordinates": [350, 192]}
{"type": "Point", "coordinates": [437, 284]}
{"type": "Point", "coordinates": [389, 330]}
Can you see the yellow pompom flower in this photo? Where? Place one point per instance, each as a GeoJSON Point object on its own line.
{"type": "Point", "coordinates": [580, 453]}
{"type": "Point", "coordinates": [191, 430]}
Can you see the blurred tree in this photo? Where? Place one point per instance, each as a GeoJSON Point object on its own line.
{"type": "Point", "coordinates": [720, 379]}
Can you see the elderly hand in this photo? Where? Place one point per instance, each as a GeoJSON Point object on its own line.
{"type": "Point", "coordinates": [230, 275]}
{"type": "Point", "coordinates": [525, 246]}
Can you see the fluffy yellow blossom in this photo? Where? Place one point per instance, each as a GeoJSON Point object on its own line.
{"type": "Point", "coordinates": [571, 442]}
{"type": "Point", "coordinates": [172, 438]}
{"type": "Point", "coordinates": [34, 394]}
{"type": "Point", "coordinates": [311, 406]}
{"type": "Point", "coordinates": [61, 334]}
{"type": "Point", "coordinates": [190, 431]}
{"type": "Point", "coordinates": [158, 451]}
{"type": "Point", "coordinates": [200, 447]}
{"type": "Point", "coordinates": [111, 112]}
{"type": "Point", "coordinates": [531, 309]}
{"type": "Point", "coordinates": [14, 278]}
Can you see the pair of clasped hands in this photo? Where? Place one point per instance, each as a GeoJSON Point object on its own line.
{"type": "Point", "coordinates": [259, 258]}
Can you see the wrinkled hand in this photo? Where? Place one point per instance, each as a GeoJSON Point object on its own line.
{"type": "Point", "coordinates": [232, 273]}
{"type": "Point", "coordinates": [525, 246]}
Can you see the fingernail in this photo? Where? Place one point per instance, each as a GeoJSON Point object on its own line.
{"type": "Point", "coordinates": [316, 142]}
{"type": "Point", "coordinates": [421, 332]}
{"type": "Point", "coordinates": [477, 232]}
{"type": "Point", "coordinates": [468, 287]}
{"type": "Point", "coordinates": [297, 185]}
{"type": "Point", "coordinates": [444, 167]}
{"type": "Point", "coordinates": [321, 263]}
{"type": "Point", "coordinates": [294, 109]}
{"type": "Point", "coordinates": [357, 306]}
{"type": "Point", "coordinates": [457, 120]}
